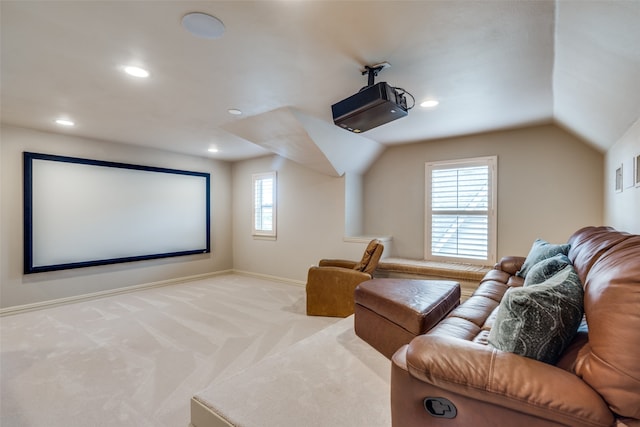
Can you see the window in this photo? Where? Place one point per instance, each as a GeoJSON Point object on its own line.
{"type": "Point", "coordinates": [460, 223]}
{"type": "Point", "coordinates": [264, 204]}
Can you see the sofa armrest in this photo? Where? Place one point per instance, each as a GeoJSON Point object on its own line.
{"type": "Point", "coordinates": [503, 379]}
{"type": "Point", "coordinates": [337, 263]}
{"type": "Point", "coordinates": [510, 264]}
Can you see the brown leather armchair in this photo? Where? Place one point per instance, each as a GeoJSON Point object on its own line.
{"type": "Point", "coordinates": [330, 285]}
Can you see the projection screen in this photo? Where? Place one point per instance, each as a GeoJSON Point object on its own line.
{"type": "Point", "coordinates": [82, 213]}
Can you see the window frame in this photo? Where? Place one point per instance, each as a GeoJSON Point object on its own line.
{"type": "Point", "coordinates": [491, 212]}
{"type": "Point", "coordinates": [257, 232]}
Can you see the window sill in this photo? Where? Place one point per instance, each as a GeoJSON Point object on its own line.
{"type": "Point", "coordinates": [366, 239]}
{"type": "Point", "coordinates": [261, 237]}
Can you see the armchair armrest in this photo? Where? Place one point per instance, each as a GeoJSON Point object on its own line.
{"type": "Point", "coordinates": [503, 379]}
{"type": "Point", "coordinates": [339, 277]}
{"type": "Point", "coordinates": [337, 263]}
{"type": "Point", "coordinates": [330, 290]}
{"type": "Point", "coordinates": [510, 264]}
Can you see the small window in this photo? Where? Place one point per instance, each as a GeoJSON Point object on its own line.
{"type": "Point", "coordinates": [264, 204]}
{"type": "Point", "coordinates": [460, 210]}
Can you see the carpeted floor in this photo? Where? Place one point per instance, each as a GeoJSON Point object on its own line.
{"type": "Point", "coordinates": [136, 359]}
{"type": "Point", "coordinates": [330, 379]}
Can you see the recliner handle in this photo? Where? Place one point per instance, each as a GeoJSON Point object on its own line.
{"type": "Point", "coordinates": [440, 407]}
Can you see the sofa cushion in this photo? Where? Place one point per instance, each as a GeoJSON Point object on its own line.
{"type": "Point", "coordinates": [539, 321]}
{"type": "Point", "coordinates": [546, 269]}
{"type": "Point", "coordinates": [541, 250]}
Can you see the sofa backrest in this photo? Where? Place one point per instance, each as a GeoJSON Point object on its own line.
{"type": "Point", "coordinates": [608, 263]}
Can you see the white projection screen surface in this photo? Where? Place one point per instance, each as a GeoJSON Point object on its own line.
{"type": "Point", "coordinates": [81, 213]}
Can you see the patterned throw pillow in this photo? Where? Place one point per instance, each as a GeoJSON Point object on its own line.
{"type": "Point", "coordinates": [546, 269]}
{"type": "Point", "coordinates": [541, 250]}
{"type": "Point", "coordinates": [539, 321]}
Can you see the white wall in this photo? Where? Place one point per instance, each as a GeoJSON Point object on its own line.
{"type": "Point", "coordinates": [549, 185]}
{"type": "Point", "coordinates": [353, 188]}
{"type": "Point", "coordinates": [311, 220]}
{"type": "Point", "coordinates": [622, 210]}
{"type": "Point", "coordinates": [19, 289]}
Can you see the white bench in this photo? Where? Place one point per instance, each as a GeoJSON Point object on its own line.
{"type": "Point", "coordinates": [468, 275]}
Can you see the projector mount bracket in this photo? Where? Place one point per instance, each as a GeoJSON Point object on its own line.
{"type": "Point", "coordinates": [373, 70]}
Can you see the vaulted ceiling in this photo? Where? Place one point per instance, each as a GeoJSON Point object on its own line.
{"type": "Point", "coordinates": [491, 64]}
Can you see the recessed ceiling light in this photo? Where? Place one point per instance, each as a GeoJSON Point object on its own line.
{"type": "Point", "coordinates": [213, 150]}
{"type": "Point", "coordinates": [136, 71]}
{"type": "Point", "coordinates": [203, 25]}
{"type": "Point", "coordinates": [234, 111]}
{"type": "Point", "coordinates": [64, 122]}
{"type": "Point", "coordinates": [430, 103]}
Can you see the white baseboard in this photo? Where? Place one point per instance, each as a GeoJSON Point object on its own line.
{"type": "Point", "coordinates": [94, 295]}
{"type": "Point", "coordinates": [269, 277]}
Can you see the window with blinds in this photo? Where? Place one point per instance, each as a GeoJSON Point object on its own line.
{"type": "Point", "coordinates": [264, 204]}
{"type": "Point", "coordinates": [460, 218]}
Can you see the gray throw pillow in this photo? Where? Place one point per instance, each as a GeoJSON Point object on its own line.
{"type": "Point", "coordinates": [541, 250]}
{"type": "Point", "coordinates": [546, 269]}
{"type": "Point", "coordinates": [539, 321]}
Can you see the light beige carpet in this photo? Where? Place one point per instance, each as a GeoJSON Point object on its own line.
{"type": "Point", "coordinates": [136, 359]}
{"type": "Point", "coordinates": [330, 379]}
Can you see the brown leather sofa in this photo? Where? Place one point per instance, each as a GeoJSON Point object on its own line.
{"type": "Point", "coordinates": [452, 372]}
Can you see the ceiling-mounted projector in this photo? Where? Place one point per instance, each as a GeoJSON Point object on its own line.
{"type": "Point", "coordinates": [373, 106]}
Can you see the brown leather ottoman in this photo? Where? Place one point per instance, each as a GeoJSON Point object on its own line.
{"type": "Point", "coordinates": [389, 313]}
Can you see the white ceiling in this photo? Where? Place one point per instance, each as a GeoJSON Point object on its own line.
{"type": "Point", "coordinates": [491, 64]}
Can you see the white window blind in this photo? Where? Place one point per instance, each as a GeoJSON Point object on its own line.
{"type": "Point", "coordinates": [460, 210]}
{"type": "Point", "coordinates": [264, 204]}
